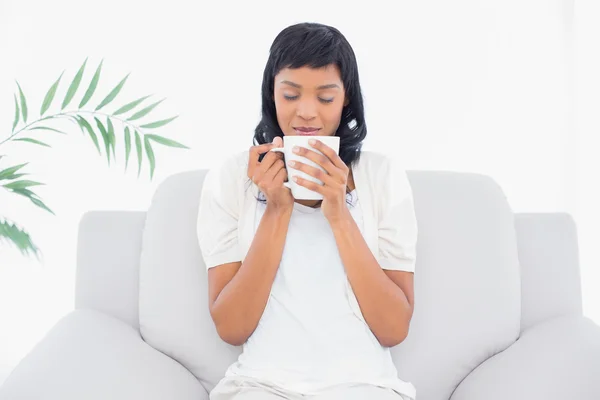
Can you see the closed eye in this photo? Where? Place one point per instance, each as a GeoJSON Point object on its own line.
{"type": "Point", "coordinates": [291, 98]}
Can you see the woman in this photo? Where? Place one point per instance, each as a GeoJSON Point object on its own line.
{"type": "Point", "coordinates": [316, 291]}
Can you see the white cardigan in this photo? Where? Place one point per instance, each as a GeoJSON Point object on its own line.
{"type": "Point", "coordinates": [228, 207]}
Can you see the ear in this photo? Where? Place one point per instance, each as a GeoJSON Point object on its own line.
{"type": "Point", "coordinates": [346, 102]}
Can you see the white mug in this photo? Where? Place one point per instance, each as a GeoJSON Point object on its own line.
{"type": "Point", "coordinates": [301, 192]}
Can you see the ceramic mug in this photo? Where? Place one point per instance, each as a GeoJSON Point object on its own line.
{"type": "Point", "coordinates": [300, 192]}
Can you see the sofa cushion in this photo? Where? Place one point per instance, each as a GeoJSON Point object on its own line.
{"type": "Point", "coordinates": [174, 314]}
{"type": "Point", "coordinates": [557, 359]}
{"type": "Point", "coordinates": [93, 356]}
{"type": "Point", "coordinates": [467, 286]}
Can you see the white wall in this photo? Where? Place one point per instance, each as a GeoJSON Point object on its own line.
{"type": "Point", "coordinates": [483, 86]}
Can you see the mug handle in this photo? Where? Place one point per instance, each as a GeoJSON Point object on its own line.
{"type": "Point", "coordinates": [282, 150]}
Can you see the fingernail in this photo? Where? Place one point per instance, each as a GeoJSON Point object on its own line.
{"type": "Point", "coordinates": [296, 149]}
{"type": "Point", "coordinates": [312, 141]}
{"type": "Point", "coordinates": [292, 163]}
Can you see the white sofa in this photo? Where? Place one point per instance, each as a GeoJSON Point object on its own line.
{"type": "Point", "coordinates": [497, 316]}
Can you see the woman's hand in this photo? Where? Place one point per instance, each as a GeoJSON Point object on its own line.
{"type": "Point", "coordinates": [335, 179]}
{"type": "Point", "coordinates": [269, 175]}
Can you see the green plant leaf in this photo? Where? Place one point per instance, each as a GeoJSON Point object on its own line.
{"type": "Point", "coordinates": [158, 124]}
{"type": "Point", "coordinates": [92, 88]}
{"type": "Point", "coordinates": [31, 141]}
{"type": "Point", "coordinates": [113, 93]}
{"type": "Point", "coordinates": [34, 198]}
{"type": "Point", "coordinates": [111, 135]}
{"type": "Point", "coordinates": [90, 131]}
{"type": "Point", "coordinates": [165, 141]}
{"type": "Point", "coordinates": [17, 111]}
{"type": "Point", "coordinates": [9, 173]}
{"type": "Point", "coordinates": [127, 146]}
{"type": "Point", "coordinates": [73, 86]}
{"type": "Point", "coordinates": [16, 176]}
{"type": "Point", "coordinates": [131, 105]}
{"type": "Point", "coordinates": [76, 119]}
{"type": "Point", "coordinates": [23, 104]}
{"type": "Point", "coordinates": [105, 138]}
{"type": "Point", "coordinates": [12, 234]}
{"type": "Point", "coordinates": [40, 204]}
{"type": "Point", "coordinates": [144, 111]}
{"type": "Point", "coordinates": [21, 184]}
{"type": "Point", "coordinates": [50, 95]}
{"type": "Point", "coordinates": [47, 128]}
{"type": "Point", "coordinates": [138, 148]}
{"type": "Point", "coordinates": [150, 154]}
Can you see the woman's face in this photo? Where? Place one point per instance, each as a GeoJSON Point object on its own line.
{"type": "Point", "coordinates": [309, 100]}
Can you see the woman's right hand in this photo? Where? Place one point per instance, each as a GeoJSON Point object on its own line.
{"type": "Point", "coordinates": [269, 174]}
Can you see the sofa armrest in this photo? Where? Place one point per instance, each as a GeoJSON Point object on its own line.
{"type": "Point", "coordinates": [90, 355]}
{"type": "Point", "coordinates": [549, 259]}
{"type": "Point", "coordinates": [108, 259]}
{"type": "Point", "coordinates": [557, 359]}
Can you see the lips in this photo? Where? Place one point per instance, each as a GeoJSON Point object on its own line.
{"type": "Point", "coordinates": [306, 131]}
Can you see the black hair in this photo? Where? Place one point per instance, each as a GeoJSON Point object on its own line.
{"type": "Point", "coordinates": [316, 46]}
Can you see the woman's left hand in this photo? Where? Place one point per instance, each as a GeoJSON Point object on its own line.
{"type": "Point", "coordinates": [335, 179]}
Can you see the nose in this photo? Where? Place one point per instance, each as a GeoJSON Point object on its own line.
{"type": "Point", "coordinates": [306, 109]}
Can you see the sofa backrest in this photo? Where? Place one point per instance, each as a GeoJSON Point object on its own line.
{"type": "Point", "coordinates": [467, 288]}
{"type": "Point", "coordinates": [467, 284]}
{"type": "Point", "coordinates": [174, 315]}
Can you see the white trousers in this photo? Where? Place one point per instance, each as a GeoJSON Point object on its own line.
{"type": "Point", "coordinates": [249, 389]}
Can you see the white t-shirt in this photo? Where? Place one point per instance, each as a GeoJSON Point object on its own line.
{"type": "Point", "coordinates": [228, 217]}
{"type": "Point", "coordinates": [309, 337]}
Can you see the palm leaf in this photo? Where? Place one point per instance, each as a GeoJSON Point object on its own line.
{"type": "Point", "coordinates": [165, 141]}
{"type": "Point", "coordinates": [144, 111]}
{"type": "Point", "coordinates": [21, 184]}
{"type": "Point", "coordinates": [150, 154]}
{"type": "Point", "coordinates": [23, 104]}
{"type": "Point", "coordinates": [92, 88]}
{"type": "Point", "coordinates": [138, 148]}
{"type": "Point", "coordinates": [73, 86]}
{"type": "Point", "coordinates": [105, 138]}
{"type": "Point", "coordinates": [16, 176]}
{"type": "Point", "coordinates": [113, 93]}
{"type": "Point", "coordinates": [34, 198]}
{"type": "Point", "coordinates": [50, 96]}
{"type": "Point", "coordinates": [34, 141]}
{"type": "Point", "coordinates": [47, 128]}
{"type": "Point", "coordinates": [9, 173]}
{"type": "Point", "coordinates": [75, 118]}
{"type": "Point", "coordinates": [17, 111]}
{"type": "Point", "coordinates": [40, 204]}
{"type": "Point", "coordinates": [111, 135]}
{"type": "Point", "coordinates": [83, 122]}
{"type": "Point", "coordinates": [158, 124]}
{"type": "Point", "coordinates": [130, 106]}
{"type": "Point", "coordinates": [127, 146]}
{"type": "Point", "coordinates": [12, 234]}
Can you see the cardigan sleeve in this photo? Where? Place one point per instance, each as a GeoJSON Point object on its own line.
{"type": "Point", "coordinates": [217, 224]}
{"type": "Point", "coordinates": [397, 225]}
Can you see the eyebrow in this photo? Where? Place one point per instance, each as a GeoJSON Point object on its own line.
{"type": "Point", "coordinates": [329, 86]}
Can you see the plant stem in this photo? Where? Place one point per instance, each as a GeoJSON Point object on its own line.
{"type": "Point", "coordinates": [68, 114]}
{"type": "Point", "coordinates": [22, 129]}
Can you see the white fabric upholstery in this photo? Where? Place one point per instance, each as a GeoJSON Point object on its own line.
{"type": "Point", "coordinates": [557, 359]}
{"type": "Point", "coordinates": [174, 315]}
{"type": "Point", "coordinates": [482, 276]}
{"type": "Point", "coordinates": [92, 356]}
{"type": "Point", "coordinates": [467, 287]}
{"type": "Point", "coordinates": [551, 281]}
{"type": "Point", "coordinates": [108, 281]}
